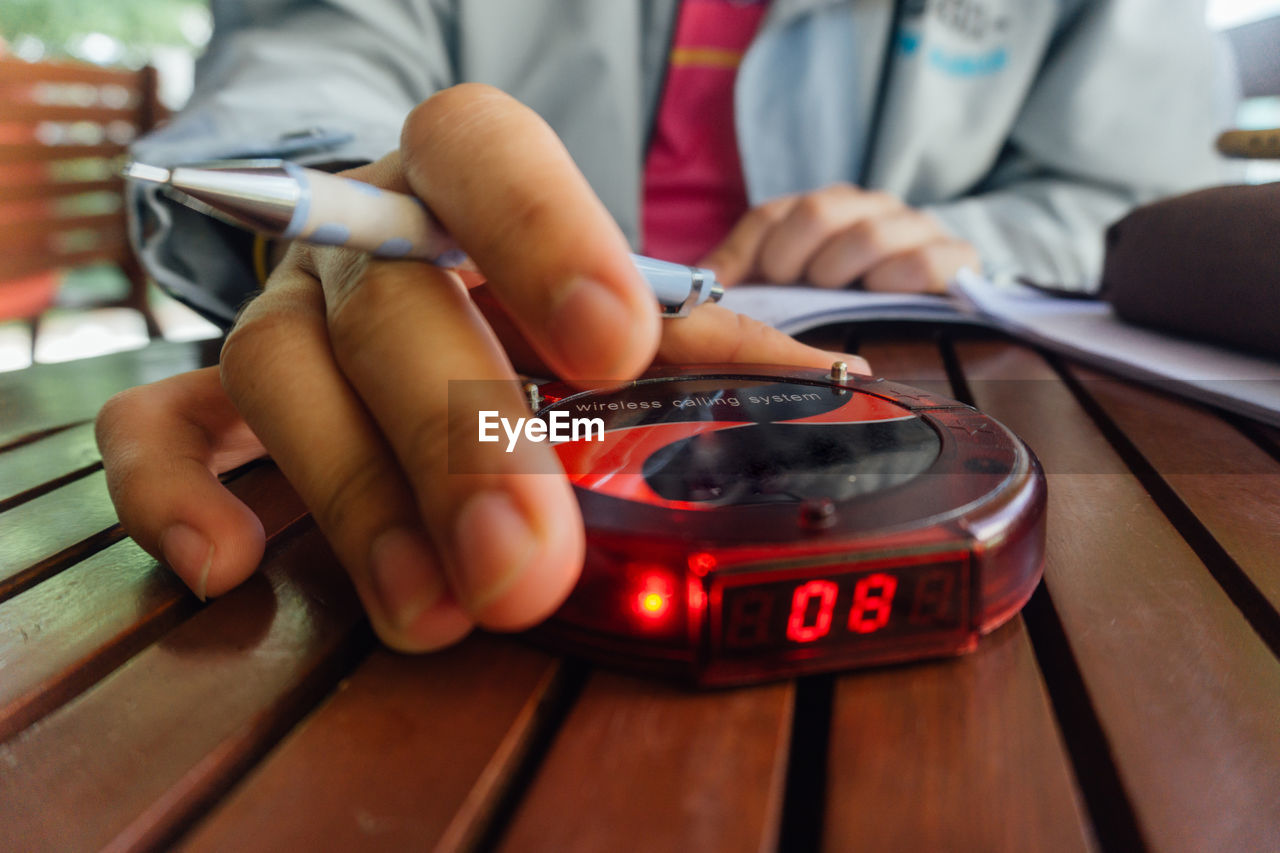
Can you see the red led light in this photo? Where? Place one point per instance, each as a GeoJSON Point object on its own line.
{"type": "Point", "coordinates": [653, 604]}
{"type": "Point", "coordinates": [701, 562]}
{"type": "Point", "coordinates": [653, 599]}
{"type": "Point", "coordinates": [697, 596]}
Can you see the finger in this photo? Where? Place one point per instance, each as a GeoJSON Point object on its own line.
{"type": "Point", "coordinates": [714, 334]}
{"type": "Point", "coordinates": [523, 356]}
{"type": "Point", "coordinates": [425, 364]}
{"type": "Point", "coordinates": [163, 446]}
{"type": "Point", "coordinates": [734, 260]}
{"type": "Point", "coordinates": [388, 174]}
{"type": "Point", "coordinates": [850, 253]}
{"type": "Point", "coordinates": [928, 269]}
{"type": "Point", "coordinates": [279, 372]}
{"type": "Point", "coordinates": [787, 249]}
{"type": "Point", "coordinates": [503, 184]}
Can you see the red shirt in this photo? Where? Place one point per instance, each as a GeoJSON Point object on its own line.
{"type": "Point", "coordinates": [693, 186]}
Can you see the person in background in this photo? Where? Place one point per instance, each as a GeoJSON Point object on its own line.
{"type": "Point", "coordinates": [837, 142]}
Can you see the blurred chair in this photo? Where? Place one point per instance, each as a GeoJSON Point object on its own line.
{"type": "Point", "coordinates": [63, 129]}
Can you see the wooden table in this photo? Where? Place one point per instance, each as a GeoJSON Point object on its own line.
{"type": "Point", "coordinates": [1134, 705]}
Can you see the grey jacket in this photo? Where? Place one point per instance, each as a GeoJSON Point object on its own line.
{"type": "Point", "coordinates": [1025, 125]}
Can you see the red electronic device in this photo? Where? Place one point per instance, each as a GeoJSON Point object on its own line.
{"type": "Point", "coordinates": [747, 523]}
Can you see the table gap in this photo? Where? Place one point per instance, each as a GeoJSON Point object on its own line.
{"type": "Point", "coordinates": [805, 793]}
{"type": "Point", "coordinates": [960, 389]}
{"type": "Point", "coordinates": [48, 567]}
{"type": "Point", "coordinates": [1242, 591]}
{"type": "Point", "coordinates": [1265, 437]}
{"type": "Point", "coordinates": [37, 435]}
{"type": "Point", "coordinates": [1115, 824]}
{"type": "Point", "coordinates": [48, 486]}
{"type": "Point", "coordinates": [569, 682]}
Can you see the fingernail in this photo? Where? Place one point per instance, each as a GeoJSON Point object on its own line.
{"type": "Point", "coordinates": [494, 544]}
{"type": "Point", "coordinates": [406, 575]}
{"type": "Point", "coordinates": [190, 555]}
{"type": "Point", "coordinates": [590, 319]}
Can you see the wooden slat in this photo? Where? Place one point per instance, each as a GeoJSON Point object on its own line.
{"type": "Point", "coordinates": [52, 190]}
{"type": "Point", "coordinates": [18, 71]}
{"type": "Point", "coordinates": [129, 762]}
{"type": "Point", "coordinates": [113, 251]}
{"type": "Point", "coordinates": [45, 397]}
{"type": "Point", "coordinates": [1229, 483]}
{"type": "Point", "coordinates": [409, 754]}
{"type": "Point", "coordinates": [46, 226]}
{"type": "Point", "coordinates": [77, 518]}
{"type": "Point", "coordinates": [643, 765]}
{"type": "Point", "coordinates": [31, 112]}
{"type": "Point", "coordinates": [958, 755]}
{"type": "Point", "coordinates": [67, 632]}
{"type": "Point", "coordinates": [53, 246]}
{"type": "Point", "coordinates": [1186, 693]}
{"type": "Point", "coordinates": [916, 363]}
{"type": "Point", "coordinates": [64, 634]}
{"type": "Point", "coordinates": [962, 754]}
{"type": "Point", "coordinates": [35, 152]}
{"type": "Point", "coordinates": [34, 466]}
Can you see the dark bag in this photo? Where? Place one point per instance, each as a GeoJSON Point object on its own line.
{"type": "Point", "coordinates": [1205, 265]}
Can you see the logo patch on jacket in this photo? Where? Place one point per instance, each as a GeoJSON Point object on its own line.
{"type": "Point", "coordinates": [960, 38]}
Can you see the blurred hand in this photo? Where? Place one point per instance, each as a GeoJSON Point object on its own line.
{"type": "Point", "coordinates": [838, 235]}
{"type": "Point", "coordinates": [340, 371]}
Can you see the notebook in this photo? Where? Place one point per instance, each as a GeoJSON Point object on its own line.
{"type": "Point", "coordinates": [1084, 329]}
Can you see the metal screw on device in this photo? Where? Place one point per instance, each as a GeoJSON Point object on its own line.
{"type": "Point", "coordinates": [840, 374]}
{"type": "Point", "coordinates": [532, 395]}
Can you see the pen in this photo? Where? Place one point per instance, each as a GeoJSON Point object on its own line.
{"type": "Point", "coordinates": [282, 199]}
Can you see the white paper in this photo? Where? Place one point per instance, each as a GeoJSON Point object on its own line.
{"type": "Point", "coordinates": [1084, 329]}
{"type": "Point", "coordinates": [796, 309]}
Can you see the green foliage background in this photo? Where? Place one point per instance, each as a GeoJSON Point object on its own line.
{"type": "Point", "coordinates": [135, 23]}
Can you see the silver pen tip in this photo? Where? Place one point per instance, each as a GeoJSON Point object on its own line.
{"type": "Point", "coordinates": [141, 172]}
{"type": "Point", "coordinates": [716, 291]}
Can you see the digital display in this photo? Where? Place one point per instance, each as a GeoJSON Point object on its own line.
{"type": "Point", "coordinates": [842, 609]}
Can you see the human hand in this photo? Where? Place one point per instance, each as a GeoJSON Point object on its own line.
{"type": "Point", "coordinates": [341, 371]}
{"type": "Point", "coordinates": [838, 235]}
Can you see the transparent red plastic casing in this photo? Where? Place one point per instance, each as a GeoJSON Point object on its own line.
{"type": "Point", "coordinates": [747, 523]}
